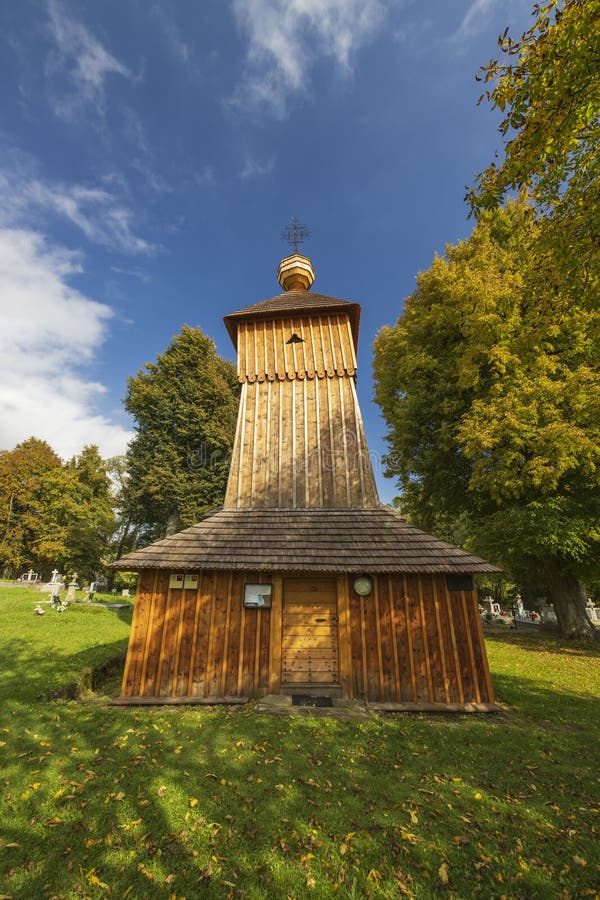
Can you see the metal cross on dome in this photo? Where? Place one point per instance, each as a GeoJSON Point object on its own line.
{"type": "Point", "coordinates": [295, 234]}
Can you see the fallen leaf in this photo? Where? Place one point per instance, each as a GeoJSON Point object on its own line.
{"type": "Point", "coordinates": [443, 873]}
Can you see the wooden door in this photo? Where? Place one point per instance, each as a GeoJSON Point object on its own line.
{"type": "Point", "coordinates": [309, 654]}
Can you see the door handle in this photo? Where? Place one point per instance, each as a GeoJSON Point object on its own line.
{"type": "Point", "coordinates": [334, 619]}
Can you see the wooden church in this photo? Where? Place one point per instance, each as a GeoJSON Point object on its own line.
{"type": "Point", "coordinates": [303, 582]}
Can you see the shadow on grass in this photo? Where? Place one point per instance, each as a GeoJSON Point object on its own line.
{"type": "Point", "coordinates": [218, 803]}
{"type": "Point", "coordinates": [29, 677]}
{"type": "Point", "coordinates": [230, 803]}
{"type": "Point", "coordinates": [215, 803]}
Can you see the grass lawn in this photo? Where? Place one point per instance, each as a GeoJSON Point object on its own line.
{"type": "Point", "coordinates": [199, 802]}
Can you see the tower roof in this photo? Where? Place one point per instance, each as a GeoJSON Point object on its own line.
{"type": "Point", "coordinates": [294, 303]}
{"type": "Point", "coordinates": [351, 541]}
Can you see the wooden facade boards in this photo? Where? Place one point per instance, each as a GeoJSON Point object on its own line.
{"type": "Point", "coordinates": [411, 641]}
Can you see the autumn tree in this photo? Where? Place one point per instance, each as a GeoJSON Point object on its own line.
{"type": "Point", "coordinates": [547, 87]}
{"type": "Point", "coordinates": [24, 473]}
{"type": "Point", "coordinates": [54, 514]}
{"type": "Point", "coordinates": [185, 406]}
{"type": "Point", "coordinates": [490, 386]}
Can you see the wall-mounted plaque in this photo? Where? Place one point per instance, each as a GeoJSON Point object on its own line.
{"type": "Point", "coordinates": [257, 596]}
{"type": "Point", "coordinates": [191, 582]}
{"type": "Point", "coordinates": [176, 581]}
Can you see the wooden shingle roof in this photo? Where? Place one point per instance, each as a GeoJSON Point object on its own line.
{"type": "Point", "coordinates": [294, 302]}
{"type": "Point", "coordinates": [352, 541]}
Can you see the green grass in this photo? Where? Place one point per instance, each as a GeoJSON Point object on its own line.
{"type": "Point", "coordinates": [193, 802]}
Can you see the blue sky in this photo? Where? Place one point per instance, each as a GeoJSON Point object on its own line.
{"type": "Point", "coordinates": [151, 153]}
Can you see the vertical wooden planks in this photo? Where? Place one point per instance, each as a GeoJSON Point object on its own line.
{"type": "Point", "coordinates": [426, 657]}
{"type": "Point", "coordinates": [410, 640]}
{"type": "Point", "coordinates": [481, 653]}
{"type": "Point", "coordinates": [137, 635]}
{"type": "Point", "coordinates": [379, 655]}
{"type": "Point", "coordinates": [241, 657]}
{"type": "Point", "coordinates": [389, 691]}
{"type": "Point", "coordinates": [445, 595]}
{"type": "Point", "coordinates": [275, 635]}
{"type": "Point", "coordinates": [149, 683]}
{"type": "Point", "coordinates": [441, 650]}
{"type": "Point", "coordinates": [248, 645]}
{"type": "Point", "coordinates": [344, 637]}
{"type": "Point", "coordinates": [217, 643]}
{"type": "Point", "coordinates": [263, 659]}
{"type": "Point", "coordinates": [410, 629]}
{"type": "Point", "coordinates": [363, 645]}
{"type": "Point", "coordinates": [397, 692]}
{"type": "Point", "coordinates": [356, 643]}
{"type": "Point", "coordinates": [192, 659]}
{"type": "Point", "coordinates": [461, 629]}
{"type": "Point", "coordinates": [186, 609]}
{"type": "Point", "coordinates": [256, 660]}
{"type": "Point", "coordinates": [225, 660]}
{"type": "Point", "coordinates": [235, 620]}
{"type": "Point", "coordinates": [470, 649]}
{"type": "Point", "coordinates": [169, 637]}
{"type": "Point", "coordinates": [203, 619]}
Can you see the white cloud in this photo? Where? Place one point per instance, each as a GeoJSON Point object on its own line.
{"type": "Point", "coordinates": [286, 36]}
{"type": "Point", "coordinates": [254, 169]}
{"type": "Point", "coordinates": [479, 15]}
{"type": "Point", "coordinates": [82, 60]}
{"type": "Point", "coordinates": [475, 16]}
{"type": "Point", "coordinates": [99, 214]}
{"type": "Point", "coordinates": [49, 332]}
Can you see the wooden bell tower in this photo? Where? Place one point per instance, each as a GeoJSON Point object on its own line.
{"type": "Point", "coordinates": [300, 439]}
{"type": "Point", "coordinates": [303, 581]}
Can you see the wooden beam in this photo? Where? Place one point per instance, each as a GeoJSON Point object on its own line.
{"type": "Point", "coordinates": [195, 635]}
{"type": "Point", "coordinates": [411, 655]}
{"type": "Point", "coordinates": [363, 642]}
{"type": "Point", "coordinates": [223, 681]}
{"type": "Point", "coordinates": [474, 672]}
{"type": "Point", "coordinates": [394, 639]}
{"type": "Point", "coordinates": [275, 635]}
{"type": "Point", "coordinates": [459, 684]}
{"type": "Point", "coordinates": [147, 637]}
{"type": "Point", "coordinates": [440, 636]}
{"type": "Point", "coordinates": [344, 637]}
{"type": "Point", "coordinates": [484, 660]}
{"type": "Point", "coordinates": [378, 633]}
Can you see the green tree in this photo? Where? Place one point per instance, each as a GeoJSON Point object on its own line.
{"type": "Point", "coordinates": [490, 386]}
{"type": "Point", "coordinates": [24, 472]}
{"type": "Point", "coordinates": [90, 518]}
{"type": "Point", "coordinates": [547, 86]}
{"type": "Point", "coordinates": [185, 406]}
{"type": "Point", "coordinates": [54, 514]}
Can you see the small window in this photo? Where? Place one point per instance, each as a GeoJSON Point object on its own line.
{"type": "Point", "coordinates": [295, 339]}
{"type": "Point", "coordinates": [459, 582]}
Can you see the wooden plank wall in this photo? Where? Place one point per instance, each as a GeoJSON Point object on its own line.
{"type": "Point", "coordinates": [326, 347]}
{"type": "Point", "coordinates": [413, 641]}
{"type": "Point", "coordinates": [300, 444]}
{"type": "Point", "coordinates": [410, 641]}
{"type": "Point", "coordinates": [300, 440]}
{"type": "Point", "coordinates": [197, 643]}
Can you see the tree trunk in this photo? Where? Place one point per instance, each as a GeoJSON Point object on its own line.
{"type": "Point", "coordinates": [568, 600]}
{"type": "Point", "coordinates": [173, 522]}
{"type": "Point", "coordinates": [121, 547]}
